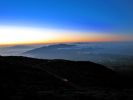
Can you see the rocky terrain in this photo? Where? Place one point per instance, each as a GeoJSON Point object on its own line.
{"type": "Point", "coordinates": [36, 79]}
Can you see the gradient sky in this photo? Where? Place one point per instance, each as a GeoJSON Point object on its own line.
{"type": "Point", "coordinates": [89, 18]}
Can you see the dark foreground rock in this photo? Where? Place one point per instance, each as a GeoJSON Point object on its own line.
{"type": "Point", "coordinates": [35, 79]}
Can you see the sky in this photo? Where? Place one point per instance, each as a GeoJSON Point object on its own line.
{"type": "Point", "coordinates": [44, 21]}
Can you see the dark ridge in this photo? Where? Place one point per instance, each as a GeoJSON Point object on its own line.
{"type": "Point", "coordinates": [83, 70]}
{"type": "Point", "coordinates": [37, 79]}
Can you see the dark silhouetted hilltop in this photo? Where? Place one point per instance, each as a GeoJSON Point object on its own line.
{"type": "Point", "coordinates": [37, 79]}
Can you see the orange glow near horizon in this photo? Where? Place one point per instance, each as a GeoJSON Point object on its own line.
{"type": "Point", "coordinates": [24, 35]}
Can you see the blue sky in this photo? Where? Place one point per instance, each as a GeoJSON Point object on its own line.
{"type": "Point", "coordinates": [114, 16]}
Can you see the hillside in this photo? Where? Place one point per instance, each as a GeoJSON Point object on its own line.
{"type": "Point", "coordinates": [36, 79]}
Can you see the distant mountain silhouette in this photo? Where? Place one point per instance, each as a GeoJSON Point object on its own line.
{"type": "Point", "coordinates": [27, 77]}
{"type": "Point", "coordinates": [50, 47]}
{"type": "Point", "coordinates": [15, 50]}
{"type": "Point", "coordinates": [116, 56]}
{"type": "Point", "coordinates": [19, 47]}
{"type": "Point", "coordinates": [58, 51]}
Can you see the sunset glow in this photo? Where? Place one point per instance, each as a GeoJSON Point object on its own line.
{"type": "Point", "coordinates": [24, 35]}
